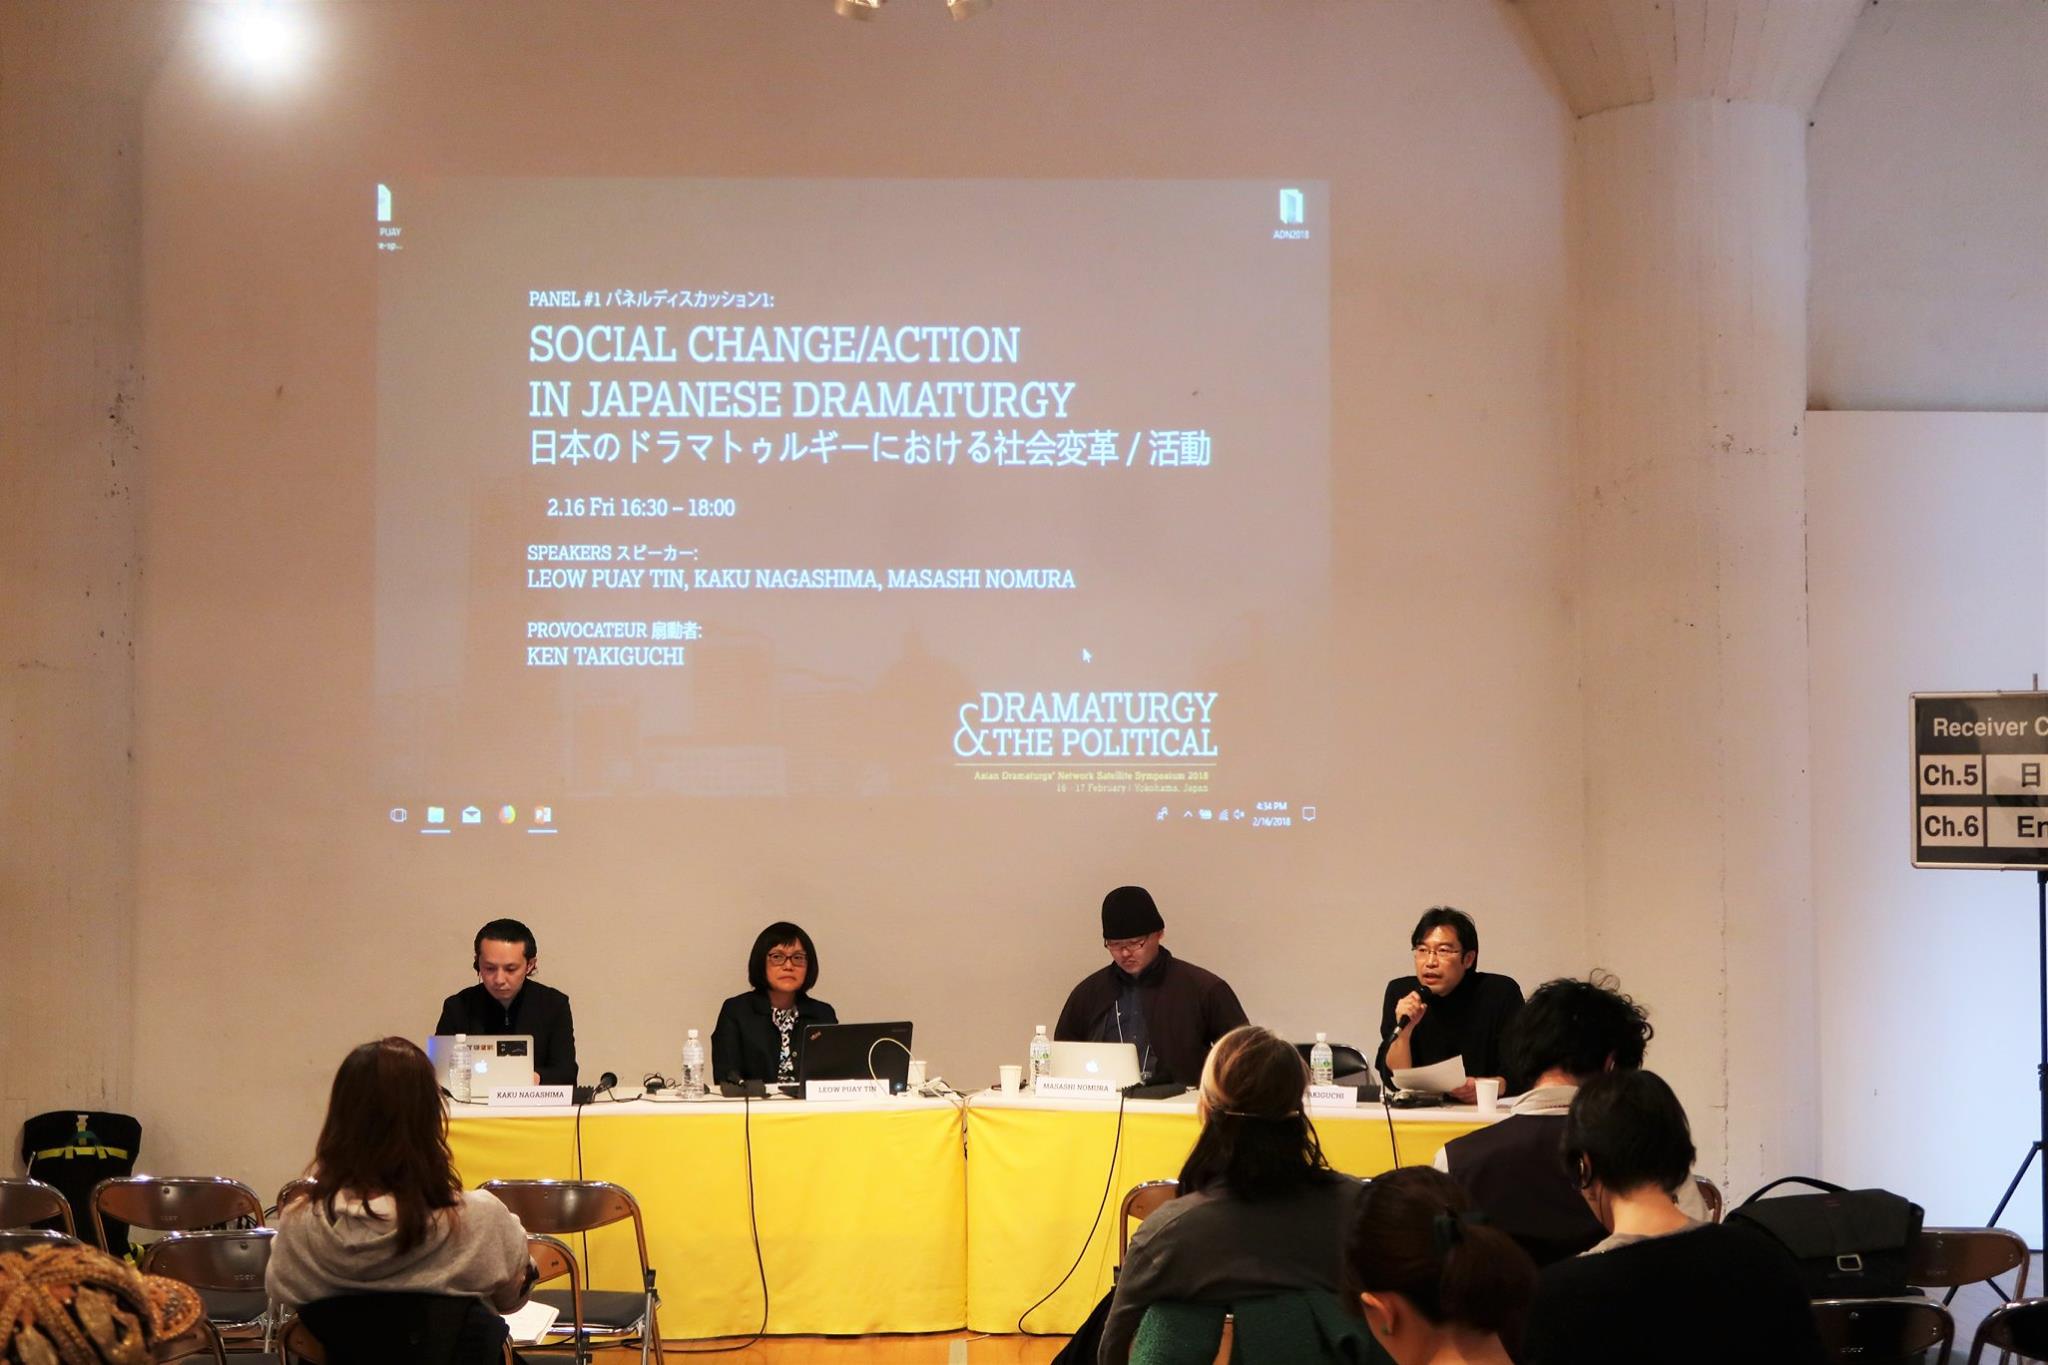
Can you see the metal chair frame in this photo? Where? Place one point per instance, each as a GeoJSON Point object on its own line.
{"type": "Point", "coordinates": [550, 1207]}
{"type": "Point", "coordinates": [172, 1203]}
{"type": "Point", "coordinates": [199, 1339]}
{"type": "Point", "coordinates": [1947, 1258]}
{"type": "Point", "coordinates": [290, 1190]}
{"type": "Point", "coordinates": [1143, 1200]}
{"type": "Point", "coordinates": [2020, 1326]}
{"type": "Point", "coordinates": [222, 1262]}
{"type": "Point", "coordinates": [20, 1239]}
{"type": "Point", "coordinates": [24, 1201]}
{"type": "Point", "coordinates": [1920, 1326]}
{"type": "Point", "coordinates": [1710, 1195]}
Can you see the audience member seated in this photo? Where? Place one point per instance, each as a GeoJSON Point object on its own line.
{"type": "Point", "coordinates": [63, 1302]}
{"type": "Point", "coordinates": [760, 1035]}
{"type": "Point", "coordinates": [1661, 1286]}
{"type": "Point", "coordinates": [1436, 1284]}
{"type": "Point", "coordinates": [1260, 1211]}
{"type": "Point", "coordinates": [389, 1215]}
{"type": "Point", "coordinates": [1567, 1033]}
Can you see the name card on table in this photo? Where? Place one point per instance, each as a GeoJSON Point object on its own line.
{"type": "Point", "coordinates": [1075, 1088]}
{"type": "Point", "coordinates": [846, 1090]}
{"type": "Point", "coordinates": [1333, 1096]}
{"type": "Point", "coordinates": [529, 1096]}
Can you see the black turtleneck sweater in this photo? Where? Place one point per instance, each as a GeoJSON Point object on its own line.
{"type": "Point", "coordinates": [1184, 1009]}
{"type": "Point", "coordinates": [1472, 1022]}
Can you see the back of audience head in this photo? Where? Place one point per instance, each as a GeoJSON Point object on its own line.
{"type": "Point", "coordinates": [1626, 1134]}
{"type": "Point", "coordinates": [1580, 1028]}
{"type": "Point", "coordinates": [386, 1133]}
{"type": "Point", "coordinates": [1256, 1140]}
{"type": "Point", "coordinates": [1425, 1268]}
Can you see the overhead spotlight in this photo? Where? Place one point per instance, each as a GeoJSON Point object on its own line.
{"type": "Point", "coordinates": [967, 9]}
{"type": "Point", "coordinates": [857, 9]}
{"type": "Point", "coordinates": [261, 38]}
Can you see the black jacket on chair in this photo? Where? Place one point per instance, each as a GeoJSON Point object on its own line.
{"type": "Point", "coordinates": [746, 1045]}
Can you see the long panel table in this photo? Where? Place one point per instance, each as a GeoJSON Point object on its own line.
{"type": "Point", "coordinates": [1037, 1171]}
{"type": "Point", "coordinates": [862, 1206]}
{"type": "Point", "coordinates": [901, 1215]}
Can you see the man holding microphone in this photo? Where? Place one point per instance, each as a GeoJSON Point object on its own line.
{"type": "Point", "coordinates": [1448, 1008]}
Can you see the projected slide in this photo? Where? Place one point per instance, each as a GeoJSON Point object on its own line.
{"type": "Point", "coordinates": [852, 490]}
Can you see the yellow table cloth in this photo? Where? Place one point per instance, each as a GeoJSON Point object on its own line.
{"type": "Point", "coordinates": [1037, 1170]}
{"type": "Point", "coordinates": [861, 1205]}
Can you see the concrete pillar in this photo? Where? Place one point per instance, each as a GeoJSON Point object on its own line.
{"type": "Point", "coordinates": [71, 86]}
{"type": "Point", "coordinates": [1692, 265]}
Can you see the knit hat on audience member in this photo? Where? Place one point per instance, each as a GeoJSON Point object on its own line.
{"type": "Point", "coordinates": [1128, 912]}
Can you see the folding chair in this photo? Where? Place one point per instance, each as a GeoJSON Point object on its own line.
{"type": "Point", "coordinates": [2020, 1327]}
{"type": "Point", "coordinates": [290, 1190]}
{"type": "Point", "coordinates": [1873, 1331]}
{"type": "Point", "coordinates": [227, 1270]}
{"type": "Point", "coordinates": [1945, 1258]}
{"type": "Point", "coordinates": [1710, 1195]}
{"type": "Point", "coordinates": [20, 1239]}
{"type": "Point", "coordinates": [183, 1203]}
{"type": "Point", "coordinates": [563, 1207]}
{"type": "Point", "coordinates": [24, 1203]}
{"type": "Point", "coordinates": [1141, 1203]}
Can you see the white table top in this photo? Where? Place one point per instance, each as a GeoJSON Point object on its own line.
{"type": "Point", "coordinates": [634, 1105]}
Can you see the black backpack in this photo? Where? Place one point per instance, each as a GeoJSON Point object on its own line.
{"type": "Point", "coordinates": [1848, 1244]}
{"type": "Point", "coordinates": [75, 1150]}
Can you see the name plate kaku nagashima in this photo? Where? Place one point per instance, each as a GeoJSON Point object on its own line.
{"type": "Point", "coordinates": [846, 1090]}
{"type": "Point", "coordinates": [1075, 1088]}
{"type": "Point", "coordinates": [1333, 1096]}
{"type": "Point", "coordinates": [530, 1096]}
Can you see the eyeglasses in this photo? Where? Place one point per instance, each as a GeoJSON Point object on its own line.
{"type": "Point", "coordinates": [788, 960]}
{"type": "Point", "coordinates": [1437, 952]}
{"type": "Point", "coordinates": [1125, 945]}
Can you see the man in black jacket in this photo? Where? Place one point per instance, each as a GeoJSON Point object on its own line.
{"type": "Point", "coordinates": [506, 1000]}
{"type": "Point", "coordinates": [1170, 1009]}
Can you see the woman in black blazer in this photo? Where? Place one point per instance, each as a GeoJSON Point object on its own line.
{"type": "Point", "coordinates": [760, 1035]}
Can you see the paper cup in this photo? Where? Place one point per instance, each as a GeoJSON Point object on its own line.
{"type": "Point", "coordinates": [1487, 1091]}
{"type": "Point", "coordinates": [1013, 1079]}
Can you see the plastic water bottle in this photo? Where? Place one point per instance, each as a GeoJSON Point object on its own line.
{"type": "Point", "coordinates": [692, 1087]}
{"type": "Point", "coordinates": [1041, 1055]}
{"type": "Point", "coordinates": [1322, 1063]}
{"type": "Point", "coordinates": [458, 1068]}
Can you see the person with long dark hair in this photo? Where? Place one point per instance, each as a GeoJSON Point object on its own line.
{"type": "Point", "coordinates": [1259, 1210]}
{"type": "Point", "coordinates": [385, 1213]}
{"type": "Point", "coordinates": [1436, 1284]}
{"type": "Point", "coordinates": [760, 1033]}
{"type": "Point", "coordinates": [1661, 1286]}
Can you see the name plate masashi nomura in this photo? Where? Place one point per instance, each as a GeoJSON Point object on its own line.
{"type": "Point", "coordinates": [845, 1090]}
{"type": "Point", "coordinates": [529, 1096]}
{"type": "Point", "coordinates": [1075, 1088]}
{"type": "Point", "coordinates": [1333, 1096]}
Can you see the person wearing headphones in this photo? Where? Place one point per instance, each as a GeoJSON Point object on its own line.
{"type": "Point", "coordinates": [506, 999]}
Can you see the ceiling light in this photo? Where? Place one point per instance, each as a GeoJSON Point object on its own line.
{"type": "Point", "coordinates": [856, 9]}
{"type": "Point", "coordinates": [967, 9]}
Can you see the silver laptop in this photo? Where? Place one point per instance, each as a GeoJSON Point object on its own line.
{"type": "Point", "coordinates": [497, 1061]}
{"type": "Point", "coordinates": [1114, 1062]}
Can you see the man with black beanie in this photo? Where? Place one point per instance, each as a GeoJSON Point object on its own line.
{"type": "Point", "coordinates": [1172, 1010]}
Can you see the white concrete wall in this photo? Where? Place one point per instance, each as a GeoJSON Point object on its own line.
{"type": "Point", "coordinates": [1929, 153]}
{"type": "Point", "coordinates": [266, 896]}
{"type": "Point", "coordinates": [1928, 570]}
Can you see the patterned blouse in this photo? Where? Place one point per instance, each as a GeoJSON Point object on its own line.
{"type": "Point", "coordinates": [785, 1024]}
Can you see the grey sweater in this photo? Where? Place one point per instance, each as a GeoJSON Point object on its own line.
{"type": "Point", "coordinates": [475, 1248]}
